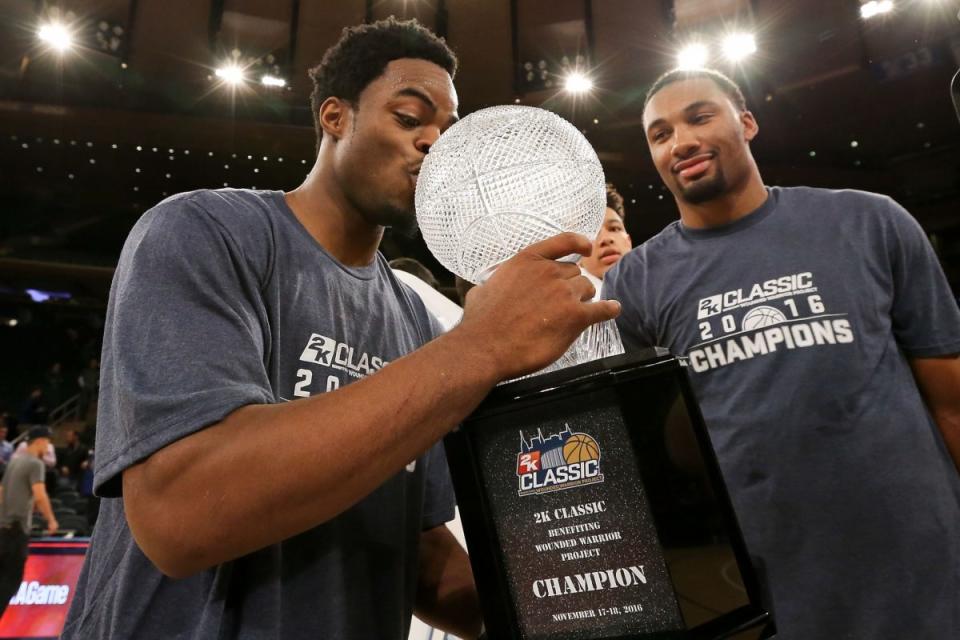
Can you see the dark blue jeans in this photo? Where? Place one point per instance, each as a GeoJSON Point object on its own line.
{"type": "Point", "coordinates": [13, 556]}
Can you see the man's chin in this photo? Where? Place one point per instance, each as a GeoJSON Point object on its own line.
{"type": "Point", "coordinates": [403, 222]}
{"type": "Point", "coordinates": [703, 190]}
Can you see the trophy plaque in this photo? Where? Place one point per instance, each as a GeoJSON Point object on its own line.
{"type": "Point", "coordinates": [593, 508]}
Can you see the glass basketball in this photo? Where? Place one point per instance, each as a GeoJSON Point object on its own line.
{"type": "Point", "coordinates": [502, 179]}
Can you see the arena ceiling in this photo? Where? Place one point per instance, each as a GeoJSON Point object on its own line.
{"type": "Point", "coordinates": [135, 110]}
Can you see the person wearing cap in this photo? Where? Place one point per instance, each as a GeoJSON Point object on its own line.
{"type": "Point", "coordinates": [22, 487]}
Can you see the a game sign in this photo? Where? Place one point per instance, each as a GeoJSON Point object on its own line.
{"type": "Point", "coordinates": [39, 607]}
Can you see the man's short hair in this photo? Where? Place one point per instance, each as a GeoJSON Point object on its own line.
{"type": "Point", "coordinates": [363, 53]}
{"type": "Point", "coordinates": [615, 201]}
{"type": "Point", "coordinates": [728, 86]}
{"type": "Point", "coordinates": [39, 432]}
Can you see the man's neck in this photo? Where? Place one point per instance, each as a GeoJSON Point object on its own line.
{"type": "Point", "coordinates": [324, 211]}
{"type": "Point", "coordinates": [725, 209]}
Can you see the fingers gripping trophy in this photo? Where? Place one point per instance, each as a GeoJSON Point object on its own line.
{"type": "Point", "coordinates": [502, 179]}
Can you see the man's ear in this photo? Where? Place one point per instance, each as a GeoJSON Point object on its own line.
{"type": "Point", "coordinates": [750, 126]}
{"type": "Point", "coordinates": [334, 117]}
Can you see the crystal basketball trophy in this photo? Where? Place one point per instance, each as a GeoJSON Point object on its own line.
{"type": "Point", "coordinates": [591, 500]}
{"type": "Point", "coordinates": [502, 179]}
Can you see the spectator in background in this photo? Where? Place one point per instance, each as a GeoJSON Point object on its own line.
{"type": "Point", "coordinates": [34, 409]}
{"type": "Point", "coordinates": [611, 243]}
{"type": "Point", "coordinates": [6, 448]}
{"type": "Point", "coordinates": [22, 488]}
{"type": "Point", "coordinates": [49, 456]}
{"type": "Point", "coordinates": [54, 387]}
{"type": "Point", "coordinates": [71, 456]}
{"type": "Point", "coordinates": [89, 383]}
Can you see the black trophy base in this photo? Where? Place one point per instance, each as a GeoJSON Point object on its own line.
{"type": "Point", "coordinates": [594, 509]}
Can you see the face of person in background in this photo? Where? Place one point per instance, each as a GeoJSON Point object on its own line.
{"type": "Point", "coordinates": [611, 244]}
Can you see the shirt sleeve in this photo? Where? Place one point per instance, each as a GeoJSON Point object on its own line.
{"type": "Point", "coordinates": [926, 320]}
{"type": "Point", "coordinates": [184, 342]}
{"type": "Point", "coordinates": [625, 283]}
{"type": "Point", "coordinates": [37, 473]}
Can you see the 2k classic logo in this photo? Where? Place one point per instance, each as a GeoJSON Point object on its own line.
{"type": "Point", "coordinates": [561, 461]}
{"type": "Point", "coordinates": [320, 350]}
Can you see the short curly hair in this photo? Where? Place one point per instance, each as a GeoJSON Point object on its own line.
{"type": "Point", "coordinates": [725, 84]}
{"type": "Point", "coordinates": [362, 54]}
{"type": "Point", "coordinates": [615, 201]}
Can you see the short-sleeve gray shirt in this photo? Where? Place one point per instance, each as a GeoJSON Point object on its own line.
{"type": "Point", "coordinates": [223, 299]}
{"type": "Point", "coordinates": [797, 321]}
{"type": "Point", "coordinates": [22, 473]}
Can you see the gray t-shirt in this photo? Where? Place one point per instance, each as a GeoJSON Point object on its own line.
{"type": "Point", "coordinates": [22, 473]}
{"type": "Point", "coordinates": [222, 299]}
{"type": "Point", "coordinates": [797, 322]}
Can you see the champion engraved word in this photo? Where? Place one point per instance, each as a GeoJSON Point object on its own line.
{"type": "Point", "coordinates": [561, 461]}
{"type": "Point", "coordinates": [593, 581]}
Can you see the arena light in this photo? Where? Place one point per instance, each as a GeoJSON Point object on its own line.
{"type": "Point", "coordinates": [738, 46]}
{"type": "Point", "coordinates": [231, 74]}
{"type": "Point", "coordinates": [577, 82]}
{"type": "Point", "coordinates": [693, 56]}
{"type": "Point", "coordinates": [875, 8]}
{"type": "Point", "coordinates": [56, 36]}
{"type": "Point", "coordinates": [272, 81]}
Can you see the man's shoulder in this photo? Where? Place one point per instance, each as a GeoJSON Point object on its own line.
{"type": "Point", "coordinates": [24, 463]}
{"type": "Point", "coordinates": [827, 200]}
{"type": "Point", "coordinates": [187, 223]}
{"type": "Point", "coordinates": [227, 207]}
{"type": "Point", "coordinates": [654, 250]}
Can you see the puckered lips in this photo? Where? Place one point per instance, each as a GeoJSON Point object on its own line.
{"type": "Point", "coordinates": [414, 172]}
{"type": "Point", "coordinates": [693, 167]}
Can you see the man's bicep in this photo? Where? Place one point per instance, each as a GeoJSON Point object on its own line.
{"type": "Point", "coordinates": [39, 490]}
{"type": "Point", "coordinates": [184, 344]}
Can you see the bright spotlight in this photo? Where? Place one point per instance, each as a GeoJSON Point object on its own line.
{"type": "Point", "coordinates": [56, 36]}
{"type": "Point", "coordinates": [272, 81]}
{"type": "Point", "coordinates": [693, 56]}
{"type": "Point", "coordinates": [232, 74]}
{"type": "Point", "coordinates": [875, 8]}
{"type": "Point", "coordinates": [577, 82]}
{"type": "Point", "coordinates": [738, 46]}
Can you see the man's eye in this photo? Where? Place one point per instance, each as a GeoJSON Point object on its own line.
{"type": "Point", "coordinates": [700, 118]}
{"type": "Point", "coordinates": [408, 121]}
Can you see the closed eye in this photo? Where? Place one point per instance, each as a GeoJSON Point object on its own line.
{"type": "Point", "coordinates": [408, 122]}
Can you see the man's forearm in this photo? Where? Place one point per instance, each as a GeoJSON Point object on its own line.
{"type": "Point", "coordinates": [45, 508]}
{"type": "Point", "coordinates": [343, 445]}
{"type": "Point", "coordinates": [446, 593]}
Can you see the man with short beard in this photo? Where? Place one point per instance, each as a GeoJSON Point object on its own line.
{"type": "Point", "coordinates": [822, 340]}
